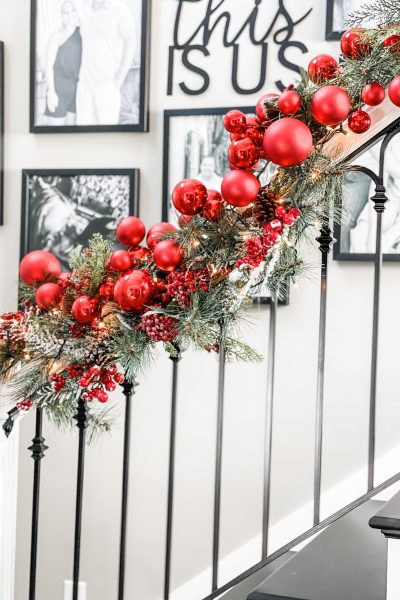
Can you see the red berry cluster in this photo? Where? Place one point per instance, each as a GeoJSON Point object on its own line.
{"type": "Point", "coordinates": [159, 328]}
{"type": "Point", "coordinates": [25, 404]}
{"type": "Point", "coordinates": [75, 371]}
{"type": "Point", "coordinates": [98, 381]}
{"type": "Point", "coordinates": [213, 348]}
{"type": "Point", "coordinates": [180, 285]}
{"type": "Point", "coordinates": [77, 331]}
{"type": "Point", "coordinates": [58, 382]}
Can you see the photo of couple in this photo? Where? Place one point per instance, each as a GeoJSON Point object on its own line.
{"type": "Point", "coordinates": [87, 70]}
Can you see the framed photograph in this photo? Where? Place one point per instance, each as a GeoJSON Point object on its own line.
{"type": "Point", "coordinates": [89, 65]}
{"type": "Point", "coordinates": [337, 12]}
{"type": "Point", "coordinates": [1, 133]}
{"type": "Point", "coordinates": [62, 209]}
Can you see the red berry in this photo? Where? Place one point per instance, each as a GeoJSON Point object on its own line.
{"type": "Point", "coordinates": [280, 212]}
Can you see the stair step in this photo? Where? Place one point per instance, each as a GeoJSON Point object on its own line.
{"type": "Point", "coordinates": [346, 561]}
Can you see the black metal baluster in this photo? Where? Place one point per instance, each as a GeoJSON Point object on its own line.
{"type": "Point", "coordinates": [82, 422]}
{"type": "Point", "coordinates": [38, 449]}
{"type": "Point", "coordinates": [171, 474]}
{"type": "Point", "coordinates": [218, 462]}
{"type": "Point", "coordinates": [129, 390]}
{"type": "Point", "coordinates": [325, 240]}
{"type": "Point", "coordinates": [268, 424]}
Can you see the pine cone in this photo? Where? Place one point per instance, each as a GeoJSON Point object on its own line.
{"type": "Point", "coordinates": [265, 205]}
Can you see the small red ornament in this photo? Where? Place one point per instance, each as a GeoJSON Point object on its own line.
{"type": "Point", "coordinates": [139, 253]}
{"type": "Point", "coordinates": [243, 154]}
{"type": "Point", "coordinates": [289, 102]}
{"type": "Point", "coordinates": [322, 68]}
{"type": "Point", "coordinates": [353, 46]}
{"type": "Point", "coordinates": [189, 197]}
{"type": "Point", "coordinates": [288, 142]}
{"type": "Point", "coordinates": [131, 231]}
{"type": "Point", "coordinates": [373, 93]}
{"type": "Point", "coordinates": [157, 231]}
{"type": "Point", "coordinates": [394, 90]}
{"type": "Point", "coordinates": [37, 266]}
{"type": "Point", "coordinates": [254, 131]}
{"type": "Point", "coordinates": [85, 309]}
{"type": "Point", "coordinates": [261, 110]}
{"type": "Point", "coordinates": [330, 105]}
{"type": "Point", "coordinates": [359, 121]}
{"type": "Point", "coordinates": [213, 208]}
{"type": "Point", "coordinates": [134, 292]}
{"type": "Point", "coordinates": [240, 188]}
{"type": "Point", "coordinates": [393, 43]}
{"type": "Point", "coordinates": [168, 255]}
{"type": "Point", "coordinates": [120, 261]}
{"type": "Point", "coordinates": [106, 290]}
{"type": "Point", "coordinates": [235, 121]}
{"type": "Point", "coordinates": [48, 295]}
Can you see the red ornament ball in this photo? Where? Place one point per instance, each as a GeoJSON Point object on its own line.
{"type": "Point", "coordinates": [189, 197]}
{"type": "Point", "coordinates": [261, 109]}
{"type": "Point", "coordinates": [289, 102]}
{"type": "Point", "coordinates": [359, 121]}
{"type": "Point", "coordinates": [167, 255]}
{"type": "Point", "coordinates": [243, 154]}
{"type": "Point", "coordinates": [288, 142]}
{"type": "Point", "coordinates": [235, 121]}
{"type": "Point", "coordinates": [85, 309]}
{"type": "Point", "coordinates": [394, 90]}
{"type": "Point", "coordinates": [392, 43]}
{"type": "Point", "coordinates": [373, 93]}
{"type": "Point", "coordinates": [139, 253]}
{"type": "Point", "coordinates": [330, 105]}
{"type": "Point", "coordinates": [133, 292]}
{"type": "Point", "coordinates": [353, 46]}
{"type": "Point", "coordinates": [213, 208]}
{"type": "Point", "coordinates": [240, 188]}
{"type": "Point", "coordinates": [37, 266]}
{"type": "Point", "coordinates": [131, 231]}
{"type": "Point", "coordinates": [106, 290]}
{"type": "Point", "coordinates": [48, 296]}
{"type": "Point", "coordinates": [120, 261]}
{"type": "Point", "coordinates": [254, 131]}
{"type": "Point", "coordinates": [157, 231]}
{"type": "Point", "coordinates": [322, 68]}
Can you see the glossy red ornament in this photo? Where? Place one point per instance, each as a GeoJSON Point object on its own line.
{"type": "Point", "coordinates": [168, 255]}
{"type": "Point", "coordinates": [157, 231]}
{"type": "Point", "coordinates": [359, 121]}
{"type": "Point", "coordinates": [322, 68]}
{"type": "Point", "coordinates": [393, 43]}
{"type": "Point", "coordinates": [289, 102]}
{"type": "Point", "coordinates": [120, 261]}
{"type": "Point", "coordinates": [394, 90]}
{"type": "Point", "coordinates": [330, 105]}
{"type": "Point", "coordinates": [133, 292]}
{"type": "Point", "coordinates": [288, 142]}
{"type": "Point", "coordinates": [261, 110]}
{"type": "Point", "coordinates": [373, 93]}
{"type": "Point", "coordinates": [85, 309]}
{"type": "Point", "coordinates": [243, 154]}
{"type": "Point", "coordinates": [254, 131]}
{"type": "Point", "coordinates": [37, 266]}
{"type": "Point", "coordinates": [240, 188]}
{"type": "Point", "coordinates": [353, 46]}
{"type": "Point", "coordinates": [48, 296]}
{"type": "Point", "coordinates": [189, 197]}
{"type": "Point", "coordinates": [235, 121]}
{"type": "Point", "coordinates": [131, 231]}
{"type": "Point", "coordinates": [106, 290]}
{"type": "Point", "coordinates": [139, 253]}
{"type": "Point", "coordinates": [213, 208]}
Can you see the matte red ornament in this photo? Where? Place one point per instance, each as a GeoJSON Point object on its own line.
{"type": "Point", "coordinates": [289, 102]}
{"type": "Point", "coordinates": [288, 142]}
{"type": "Point", "coordinates": [213, 208]}
{"type": "Point", "coordinates": [243, 154]}
{"type": "Point", "coordinates": [139, 253]}
{"type": "Point", "coordinates": [189, 197]}
{"type": "Point", "coordinates": [39, 265]}
{"type": "Point", "coordinates": [394, 90]}
{"type": "Point", "coordinates": [261, 110]}
{"type": "Point", "coordinates": [373, 93]}
{"type": "Point", "coordinates": [85, 309]}
{"type": "Point", "coordinates": [133, 292]}
{"type": "Point", "coordinates": [359, 121]}
{"type": "Point", "coordinates": [131, 231]}
{"type": "Point", "coordinates": [168, 255]}
{"type": "Point", "coordinates": [330, 105]}
{"type": "Point", "coordinates": [240, 188]}
{"type": "Point", "coordinates": [254, 131]}
{"type": "Point", "coordinates": [157, 231]}
{"type": "Point", "coordinates": [48, 296]}
{"type": "Point", "coordinates": [235, 121]}
{"type": "Point", "coordinates": [393, 43]}
{"type": "Point", "coordinates": [322, 68]}
{"type": "Point", "coordinates": [353, 46]}
{"type": "Point", "coordinates": [120, 261]}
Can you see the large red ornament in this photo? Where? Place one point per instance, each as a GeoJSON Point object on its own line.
{"type": "Point", "coordinates": [373, 93]}
{"type": "Point", "coordinates": [289, 102]}
{"type": "Point", "coordinates": [134, 292]}
{"type": "Point", "coordinates": [243, 154]}
{"type": "Point", "coordinates": [288, 142]}
{"type": "Point", "coordinates": [139, 253]}
{"type": "Point", "coordinates": [168, 255]}
{"type": "Point", "coordinates": [213, 208]}
{"type": "Point", "coordinates": [322, 68]}
{"type": "Point", "coordinates": [120, 261]}
{"type": "Point", "coordinates": [131, 231]}
{"type": "Point", "coordinates": [240, 188]}
{"type": "Point", "coordinates": [235, 121]}
{"type": "Point", "coordinates": [261, 110]}
{"type": "Point", "coordinates": [394, 90]}
{"type": "Point", "coordinates": [359, 121]}
{"type": "Point", "coordinates": [85, 309]}
{"type": "Point", "coordinates": [352, 44]}
{"type": "Point", "coordinates": [158, 231]}
{"type": "Point", "coordinates": [48, 296]}
{"type": "Point", "coordinates": [393, 43]}
{"type": "Point", "coordinates": [189, 197]}
{"type": "Point", "coordinates": [37, 266]}
{"type": "Point", "coordinates": [330, 105]}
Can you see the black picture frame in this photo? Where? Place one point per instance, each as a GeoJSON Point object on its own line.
{"type": "Point", "coordinates": [330, 34]}
{"type": "Point", "coordinates": [141, 126]}
{"type": "Point", "coordinates": [1, 133]}
{"type": "Point", "coordinates": [133, 200]}
{"type": "Point", "coordinates": [356, 257]}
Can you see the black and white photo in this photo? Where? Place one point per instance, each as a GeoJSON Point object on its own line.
{"type": "Point", "coordinates": [63, 209]}
{"type": "Point", "coordinates": [337, 12]}
{"type": "Point", "coordinates": [89, 62]}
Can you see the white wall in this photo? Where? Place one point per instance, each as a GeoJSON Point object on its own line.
{"type": "Point", "coordinates": [348, 360]}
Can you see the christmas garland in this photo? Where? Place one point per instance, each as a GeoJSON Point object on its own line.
{"type": "Point", "coordinates": [80, 334]}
